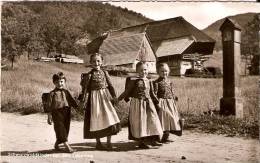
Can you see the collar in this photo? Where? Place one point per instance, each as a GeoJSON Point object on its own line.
{"type": "Point", "coordinates": [162, 79]}
{"type": "Point", "coordinates": [59, 89]}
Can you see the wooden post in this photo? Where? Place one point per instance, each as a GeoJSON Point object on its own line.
{"type": "Point", "coordinates": [231, 103]}
{"type": "Point", "coordinates": [259, 50]}
{"type": "Point", "coordinates": [259, 107]}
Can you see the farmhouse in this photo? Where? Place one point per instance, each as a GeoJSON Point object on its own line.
{"type": "Point", "coordinates": [174, 41]}
{"type": "Point", "coordinates": [127, 50]}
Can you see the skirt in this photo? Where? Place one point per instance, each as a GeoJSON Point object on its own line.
{"type": "Point", "coordinates": [101, 119]}
{"type": "Point", "coordinates": [143, 120]}
{"type": "Point", "coordinates": [168, 115]}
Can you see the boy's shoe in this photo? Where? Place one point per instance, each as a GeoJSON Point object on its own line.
{"type": "Point", "coordinates": [71, 150]}
{"type": "Point", "coordinates": [143, 146]}
{"type": "Point", "coordinates": [56, 146]}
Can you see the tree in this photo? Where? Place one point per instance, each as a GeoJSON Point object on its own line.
{"type": "Point", "coordinates": [11, 50]}
{"type": "Point", "coordinates": [58, 30]}
{"type": "Point", "coordinates": [17, 25]}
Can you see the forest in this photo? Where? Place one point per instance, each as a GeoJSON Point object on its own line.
{"type": "Point", "coordinates": [40, 28]}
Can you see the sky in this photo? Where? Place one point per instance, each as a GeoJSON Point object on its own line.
{"type": "Point", "coordinates": [200, 14]}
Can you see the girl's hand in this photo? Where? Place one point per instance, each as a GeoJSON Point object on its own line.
{"type": "Point", "coordinates": [81, 105]}
{"type": "Point", "coordinates": [49, 120]}
{"type": "Point", "coordinates": [115, 101]}
{"type": "Point", "coordinates": [157, 107]}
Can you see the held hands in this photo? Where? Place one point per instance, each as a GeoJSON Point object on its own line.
{"type": "Point", "coordinates": [81, 105]}
{"type": "Point", "coordinates": [157, 107]}
{"type": "Point", "coordinates": [115, 101]}
{"type": "Point", "coordinates": [49, 120]}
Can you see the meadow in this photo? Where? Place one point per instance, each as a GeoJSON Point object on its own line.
{"type": "Point", "coordinates": [22, 88]}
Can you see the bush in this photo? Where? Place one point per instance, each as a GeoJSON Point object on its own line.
{"type": "Point", "coordinates": [118, 70]}
{"type": "Point", "coordinates": [215, 71]}
{"type": "Point", "coordinates": [208, 72]}
{"type": "Point", "coordinates": [216, 124]}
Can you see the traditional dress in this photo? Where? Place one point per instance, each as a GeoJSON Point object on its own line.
{"type": "Point", "coordinates": [60, 103]}
{"type": "Point", "coordinates": [143, 119]}
{"type": "Point", "coordinates": [167, 110]}
{"type": "Point", "coordinates": [101, 119]}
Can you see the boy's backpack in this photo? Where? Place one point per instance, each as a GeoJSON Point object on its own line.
{"type": "Point", "coordinates": [46, 101]}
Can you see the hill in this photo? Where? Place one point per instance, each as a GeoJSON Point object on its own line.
{"type": "Point", "coordinates": [44, 27]}
{"type": "Point", "coordinates": [213, 29]}
{"type": "Point", "coordinates": [249, 40]}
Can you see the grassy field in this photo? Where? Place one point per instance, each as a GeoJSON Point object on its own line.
{"type": "Point", "coordinates": [23, 86]}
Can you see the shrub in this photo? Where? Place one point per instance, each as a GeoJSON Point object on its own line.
{"type": "Point", "coordinates": [217, 124]}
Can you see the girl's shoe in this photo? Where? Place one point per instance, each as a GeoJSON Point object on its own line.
{"type": "Point", "coordinates": [166, 141]}
{"type": "Point", "coordinates": [143, 146]}
{"type": "Point", "coordinates": [109, 146]}
{"type": "Point", "coordinates": [99, 146]}
{"type": "Point", "coordinates": [155, 143]}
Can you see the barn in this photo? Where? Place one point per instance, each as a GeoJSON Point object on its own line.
{"type": "Point", "coordinates": [127, 50]}
{"type": "Point", "coordinates": [174, 41]}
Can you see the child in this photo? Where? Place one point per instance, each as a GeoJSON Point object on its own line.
{"type": "Point", "coordinates": [144, 124]}
{"type": "Point", "coordinates": [166, 108]}
{"type": "Point", "coordinates": [60, 101]}
{"type": "Point", "coordinates": [101, 119]}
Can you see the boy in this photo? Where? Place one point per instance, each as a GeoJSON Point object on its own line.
{"type": "Point", "coordinates": [60, 102]}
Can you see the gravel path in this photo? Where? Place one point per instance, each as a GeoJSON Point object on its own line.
{"type": "Point", "coordinates": [30, 139]}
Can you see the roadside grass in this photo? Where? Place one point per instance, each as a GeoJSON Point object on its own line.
{"type": "Point", "coordinates": [228, 126]}
{"type": "Point", "coordinates": [23, 86]}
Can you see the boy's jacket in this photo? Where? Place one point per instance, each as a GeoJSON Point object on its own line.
{"type": "Point", "coordinates": [57, 99]}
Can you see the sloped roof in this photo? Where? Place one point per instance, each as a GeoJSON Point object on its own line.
{"type": "Point", "coordinates": [160, 31]}
{"type": "Point", "coordinates": [230, 22]}
{"type": "Point", "coordinates": [170, 28]}
{"type": "Point", "coordinates": [118, 50]}
{"type": "Point", "coordinates": [173, 46]}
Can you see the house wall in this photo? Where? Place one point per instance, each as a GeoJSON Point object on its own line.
{"type": "Point", "coordinates": [151, 66]}
{"type": "Point", "coordinates": [184, 65]}
{"type": "Point", "coordinates": [174, 63]}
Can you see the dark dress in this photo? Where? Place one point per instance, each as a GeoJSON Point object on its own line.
{"type": "Point", "coordinates": [97, 91]}
{"type": "Point", "coordinates": [166, 108]}
{"type": "Point", "coordinates": [143, 123]}
{"type": "Point", "coordinates": [61, 102]}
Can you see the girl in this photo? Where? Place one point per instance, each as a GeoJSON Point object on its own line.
{"type": "Point", "coordinates": [166, 108]}
{"type": "Point", "coordinates": [101, 119]}
{"type": "Point", "coordinates": [144, 124]}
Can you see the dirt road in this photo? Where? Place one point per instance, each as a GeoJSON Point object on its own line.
{"type": "Point", "coordinates": [30, 139]}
